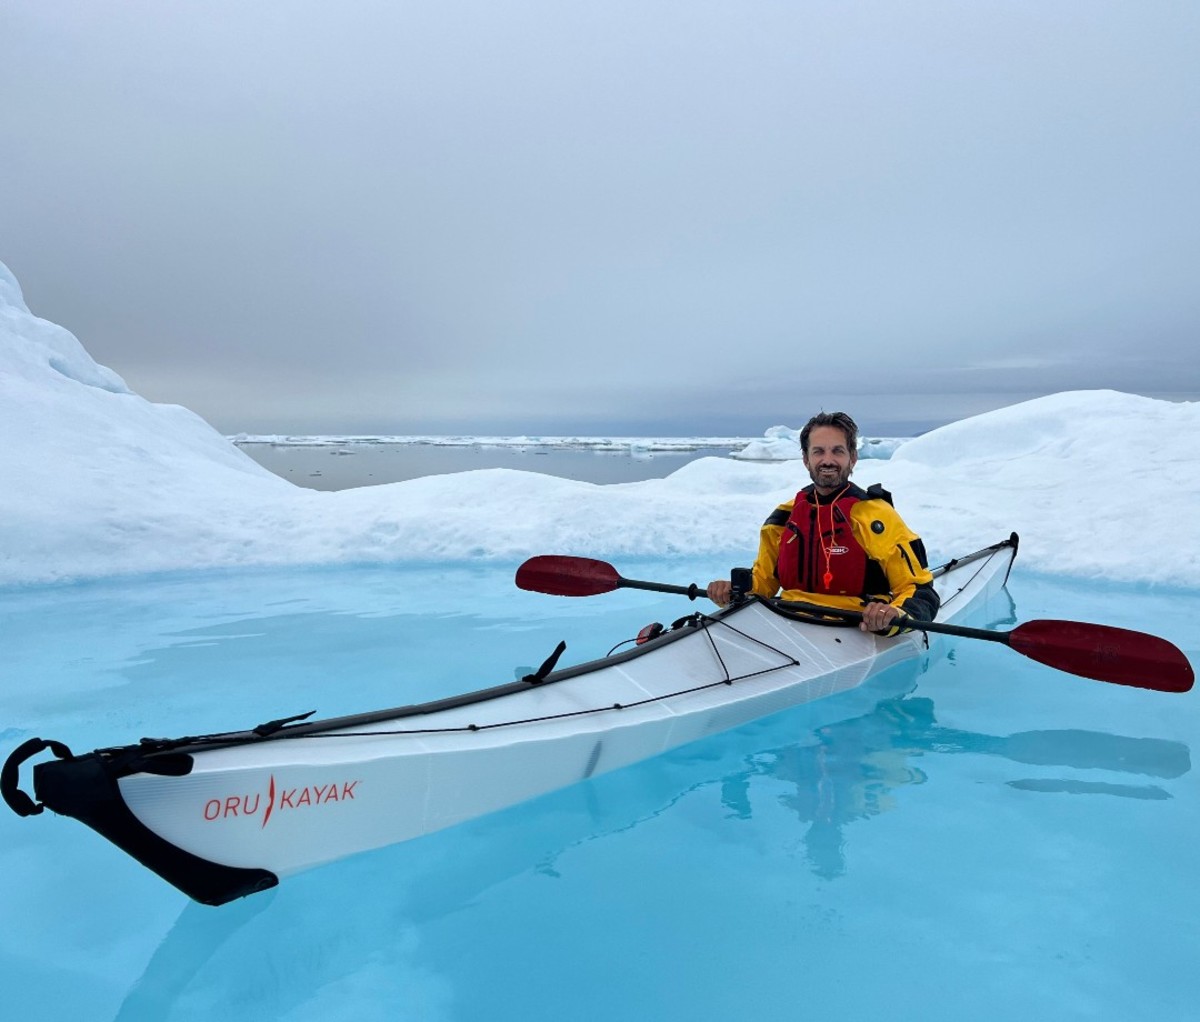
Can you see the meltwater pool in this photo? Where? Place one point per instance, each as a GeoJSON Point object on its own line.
{"type": "Point", "coordinates": [973, 836]}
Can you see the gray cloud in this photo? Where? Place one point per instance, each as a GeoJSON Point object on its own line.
{"type": "Point", "coordinates": [561, 218]}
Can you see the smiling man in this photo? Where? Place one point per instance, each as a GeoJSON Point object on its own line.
{"type": "Point", "coordinates": [839, 545]}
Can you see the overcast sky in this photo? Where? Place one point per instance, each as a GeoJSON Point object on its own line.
{"type": "Point", "coordinates": [553, 216]}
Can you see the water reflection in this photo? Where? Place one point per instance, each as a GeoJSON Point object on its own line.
{"type": "Point", "coordinates": [855, 766]}
{"type": "Point", "coordinates": [291, 946]}
{"type": "Point", "coordinates": [1147, 791]}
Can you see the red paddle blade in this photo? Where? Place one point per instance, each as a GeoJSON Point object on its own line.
{"type": "Point", "coordinates": [1118, 655]}
{"type": "Point", "coordinates": [567, 576]}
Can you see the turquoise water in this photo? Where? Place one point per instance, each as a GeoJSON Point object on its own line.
{"type": "Point", "coordinates": [975, 836]}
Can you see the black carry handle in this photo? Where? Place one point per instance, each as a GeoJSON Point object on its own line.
{"type": "Point", "coordinates": [10, 776]}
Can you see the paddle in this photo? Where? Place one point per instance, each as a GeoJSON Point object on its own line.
{"type": "Point", "coordinates": [1100, 652]}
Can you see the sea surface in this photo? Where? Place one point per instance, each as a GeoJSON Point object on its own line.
{"type": "Point", "coordinates": [339, 466]}
{"type": "Point", "coordinates": [970, 836]}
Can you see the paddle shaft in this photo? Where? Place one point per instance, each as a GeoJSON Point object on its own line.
{"type": "Point", "coordinates": [691, 592]}
{"type": "Point", "coordinates": [1099, 652]}
{"type": "Point", "coordinates": [903, 621]}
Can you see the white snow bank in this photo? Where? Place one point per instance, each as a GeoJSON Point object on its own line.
{"type": "Point", "coordinates": [100, 482]}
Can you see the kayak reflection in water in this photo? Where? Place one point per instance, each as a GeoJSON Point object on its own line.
{"type": "Point", "coordinates": [839, 545]}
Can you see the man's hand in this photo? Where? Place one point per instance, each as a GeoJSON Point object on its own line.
{"type": "Point", "coordinates": [877, 617]}
{"type": "Point", "coordinates": [720, 592]}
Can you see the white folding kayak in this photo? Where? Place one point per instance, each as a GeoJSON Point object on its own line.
{"type": "Point", "coordinates": [225, 815]}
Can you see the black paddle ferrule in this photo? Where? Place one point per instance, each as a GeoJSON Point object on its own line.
{"type": "Point", "coordinates": [18, 801]}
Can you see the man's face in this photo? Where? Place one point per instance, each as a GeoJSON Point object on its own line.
{"type": "Point", "coordinates": [828, 460]}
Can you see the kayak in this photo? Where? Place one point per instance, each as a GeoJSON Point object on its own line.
{"type": "Point", "coordinates": [222, 816]}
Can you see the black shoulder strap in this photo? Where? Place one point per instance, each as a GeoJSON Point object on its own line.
{"type": "Point", "coordinates": [876, 492]}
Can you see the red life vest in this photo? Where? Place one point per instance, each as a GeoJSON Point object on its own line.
{"type": "Point", "coordinates": [814, 531]}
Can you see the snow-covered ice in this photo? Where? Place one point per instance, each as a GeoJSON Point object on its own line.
{"type": "Point", "coordinates": [100, 482]}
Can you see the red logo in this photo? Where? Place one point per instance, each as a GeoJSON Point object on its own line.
{"type": "Point", "coordinates": [279, 800]}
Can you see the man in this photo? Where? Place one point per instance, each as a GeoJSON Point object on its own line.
{"type": "Point", "coordinates": [839, 545]}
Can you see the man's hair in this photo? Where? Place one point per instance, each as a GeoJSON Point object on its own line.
{"type": "Point", "coordinates": [839, 420]}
